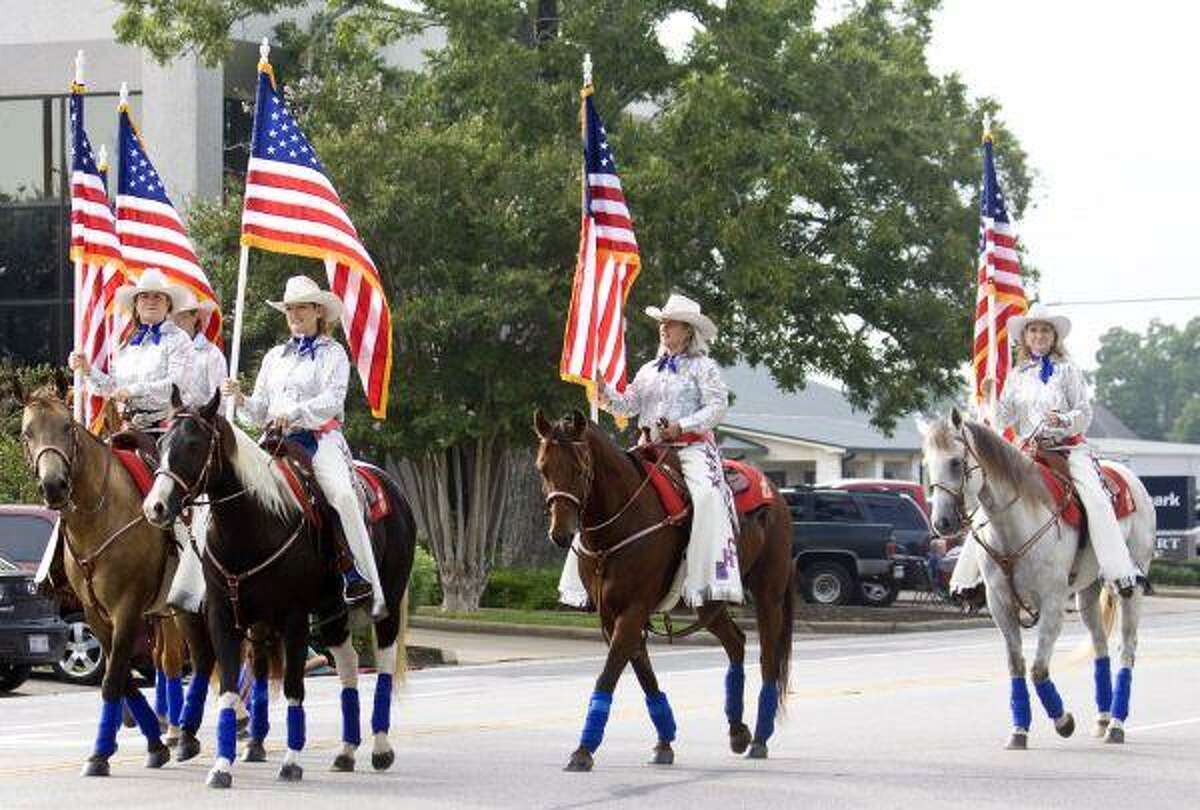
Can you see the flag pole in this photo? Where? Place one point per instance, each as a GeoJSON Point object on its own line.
{"type": "Point", "coordinates": [235, 352]}
{"type": "Point", "coordinates": [594, 336]}
{"type": "Point", "coordinates": [993, 350]}
{"type": "Point", "coordinates": [77, 330]}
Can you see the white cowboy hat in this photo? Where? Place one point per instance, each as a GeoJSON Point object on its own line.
{"type": "Point", "coordinates": [681, 308]}
{"type": "Point", "coordinates": [1039, 314]}
{"type": "Point", "coordinates": [190, 301]}
{"type": "Point", "coordinates": [151, 280]}
{"type": "Point", "coordinates": [303, 290]}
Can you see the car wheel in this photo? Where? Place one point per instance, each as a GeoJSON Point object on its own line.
{"type": "Point", "coordinates": [827, 583]}
{"type": "Point", "coordinates": [83, 658]}
{"type": "Point", "coordinates": [13, 675]}
{"type": "Point", "coordinates": [879, 594]}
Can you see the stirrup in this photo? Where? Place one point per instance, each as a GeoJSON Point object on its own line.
{"type": "Point", "coordinates": [355, 588]}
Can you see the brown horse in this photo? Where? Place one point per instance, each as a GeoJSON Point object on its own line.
{"type": "Point", "coordinates": [114, 560]}
{"type": "Point", "coordinates": [628, 556]}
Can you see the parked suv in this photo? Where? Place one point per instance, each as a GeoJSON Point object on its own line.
{"type": "Point", "coordinates": [30, 631]}
{"type": "Point", "coordinates": [24, 532]}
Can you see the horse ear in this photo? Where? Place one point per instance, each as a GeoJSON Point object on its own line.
{"type": "Point", "coordinates": [62, 383]}
{"type": "Point", "coordinates": [540, 424]}
{"type": "Point", "coordinates": [579, 423]}
{"type": "Point", "coordinates": [956, 419]}
{"type": "Point", "coordinates": [209, 409]}
{"type": "Point", "coordinates": [176, 399]}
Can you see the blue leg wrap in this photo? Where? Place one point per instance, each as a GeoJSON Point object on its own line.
{"type": "Point", "coordinates": [259, 700]}
{"type": "Point", "coordinates": [735, 686]}
{"type": "Point", "coordinates": [106, 733]}
{"type": "Point", "coordinates": [768, 704]}
{"type": "Point", "coordinates": [1050, 698]}
{"type": "Point", "coordinates": [174, 700]}
{"type": "Point", "coordinates": [662, 716]}
{"type": "Point", "coordinates": [1103, 676]}
{"type": "Point", "coordinates": [1120, 704]}
{"type": "Point", "coordinates": [351, 733]}
{"type": "Point", "coordinates": [1018, 701]}
{"type": "Point", "coordinates": [381, 712]}
{"type": "Point", "coordinates": [597, 719]}
{"type": "Point", "coordinates": [160, 693]}
{"type": "Point", "coordinates": [227, 734]}
{"type": "Point", "coordinates": [193, 704]}
{"type": "Point", "coordinates": [295, 724]}
{"type": "Point", "coordinates": [145, 717]}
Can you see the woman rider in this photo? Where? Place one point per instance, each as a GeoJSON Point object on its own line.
{"type": "Point", "coordinates": [301, 391]}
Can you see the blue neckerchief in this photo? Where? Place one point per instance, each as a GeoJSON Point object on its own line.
{"type": "Point", "coordinates": [155, 333]}
{"type": "Point", "coordinates": [1047, 367]}
{"type": "Point", "coordinates": [305, 346]}
{"type": "Point", "coordinates": [306, 439]}
{"type": "Point", "coordinates": [669, 362]}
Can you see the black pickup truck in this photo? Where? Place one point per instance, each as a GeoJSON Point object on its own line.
{"type": "Point", "coordinates": [840, 557]}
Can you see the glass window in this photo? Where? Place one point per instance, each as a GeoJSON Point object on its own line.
{"type": "Point", "coordinates": [836, 507]}
{"type": "Point", "coordinates": [239, 121]}
{"type": "Point", "coordinates": [28, 332]}
{"type": "Point", "coordinates": [27, 140]}
{"type": "Point", "coordinates": [23, 537]}
{"type": "Point", "coordinates": [897, 512]}
{"type": "Point", "coordinates": [32, 252]}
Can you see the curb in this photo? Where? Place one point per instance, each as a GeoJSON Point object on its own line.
{"type": "Point", "coordinates": [1176, 592]}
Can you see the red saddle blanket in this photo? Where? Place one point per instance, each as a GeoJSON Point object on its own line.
{"type": "Point", "coordinates": [1073, 515]}
{"type": "Point", "coordinates": [141, 474]}
{"type": "Point", "coordinates": [751, 489]}
{"type": "Point", "coordinates": [378, 506]}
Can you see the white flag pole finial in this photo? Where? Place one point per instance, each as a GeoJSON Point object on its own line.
{"type": "Point", "coordinates": [987, 126]}
{"type": "Point", "coordinates": [124, 94]}
{"type": "Point", "coordinates": [587, 68]}
{"type": "Point", "coordinates": [79, 67]}
{"type": "Point", "coordinates": [102, 159]}
{"type": "Point", "coordinates": [264, 50]}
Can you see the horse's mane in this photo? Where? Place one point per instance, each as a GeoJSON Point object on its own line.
{"type": "Point", "coordinates": [999, 458]}
{"type": "Point", "coordinates": [257, 472]}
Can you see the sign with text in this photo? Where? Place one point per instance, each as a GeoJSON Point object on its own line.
{"type": "Point", "coordinates": [1174, 499]}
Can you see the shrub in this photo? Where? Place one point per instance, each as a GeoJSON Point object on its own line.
{"type": "Point", "coordinates": [522, 589]}
{"type": "Point", "coordinates": [1165, 573]}
{"type": "Point", "coordinates": [424, 587]}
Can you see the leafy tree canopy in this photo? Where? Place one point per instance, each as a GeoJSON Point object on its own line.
{"type": "Point", "coordinates": [1151, 381]}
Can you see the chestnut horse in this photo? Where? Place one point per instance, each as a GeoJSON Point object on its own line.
{"type": "Point", "coordinates": [114, 560]}
{"type": "Point", "coordinates": [628, 556]}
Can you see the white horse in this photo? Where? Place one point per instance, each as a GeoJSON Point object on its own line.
{"type": "Point", "coordinates": [1032, 560]}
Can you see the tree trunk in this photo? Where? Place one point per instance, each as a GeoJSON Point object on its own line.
{"type": "Point", "coordinates": [524, 542]}
{"type": "Point", "coordinates": [457, 497]}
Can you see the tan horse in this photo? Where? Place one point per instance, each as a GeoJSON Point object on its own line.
{"type": "Point", "coordinates": [114, 560]}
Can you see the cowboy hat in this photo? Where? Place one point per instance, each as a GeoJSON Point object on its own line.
{"type": "Point", "coordinates": [1039, 314]}
{"type": "Point", "coordinates": [190, 302]}
{"type": "Point", "coordinates": [683, 309]}
{"type": "Point", "coordinates": [150, 281]}
{"type": "Point", "coordinates": [303, 290]}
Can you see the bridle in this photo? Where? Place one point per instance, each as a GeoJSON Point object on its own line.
{"type": "Point", "coordinates": [212, 460]}
{"type": "Point", "coordinates": [68, 459]}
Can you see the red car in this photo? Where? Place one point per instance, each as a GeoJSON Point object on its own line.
{"type": "Point", "coordinates": [24, 532]}
{"type": "Point", "coordinates": [912, 489]}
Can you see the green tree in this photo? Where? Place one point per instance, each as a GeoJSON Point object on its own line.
{"type": "Point", "coordinates": [1187, 424]}
{"type": "Point", "coordinates": [1151, 380]}
{"type": "Point", "coordinates": [813, 187]}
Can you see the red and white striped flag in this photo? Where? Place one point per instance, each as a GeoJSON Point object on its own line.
{"type": "Point", "coordinates": [291, 207]}
{"type": "Point", "coordinates": [95, 246]}
{"type": "Point", "coordinates": [151, 231]}
{"type": "Point", "coordinates": [607, 267]}
{"type": "Point", "coordinates": [999, 295]}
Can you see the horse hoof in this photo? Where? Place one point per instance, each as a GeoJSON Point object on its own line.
{"type": "Point", "coordinates": [739, 738]}
{"type": "Point", "coordinates": [1101, 728]}
{"type": "Point", "coordinates": [188, 747]}
{"type": "Point", "coordinates": [95, 766]}
{"type": "Point", "coordinates": [382, 760]}
{"type": "Point", "coordinates": [343, 763]}
{"type": "Point", "coordinates": [1115, 735]}
{"type": "Point", "coordinates": [580, 762]}
{"type": "Point", "coordinates": [1018, 742]}
{"type": "Point", "coordinates": [158, 756]}
{"type": "Point", "coordinates": [1065, 725]}
{"type": "Point", "coordinates": [758, 750]}
{"type": "Point", "coordinates": [243, 727]}
{"type": "Point", "coordinates": [255, 751]}
{"type": "Point", "coordinates": [663, 755]}
{"type": "Point", "coordinates": [219, 779]}
{"type": "Point", "coordinates": [291, 772]}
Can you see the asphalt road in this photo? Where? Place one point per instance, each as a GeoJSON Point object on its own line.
{"type": "Point", "coordinates": [904, 720]}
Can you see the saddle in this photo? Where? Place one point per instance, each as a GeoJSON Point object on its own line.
{"type": "Point", "coordinates": [295, 464]}
{"type": "Point", "coordinates": [750, 487]}
{"type": "Point", "coordinates": [138, 454]}
{"type": "Point", "coordinates": [1055, 471]}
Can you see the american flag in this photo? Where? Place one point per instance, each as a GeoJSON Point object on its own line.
{"type": "Point", "coordinates": [151, 232]}
{"type": "Point", "coordinates": [999, 281]}
{"type": "Point", "coordinates": [291, 207]}
{"type": "Point", "coordinates": [608, 265]}
{"type": "Point", "coordinates": [94, 244]}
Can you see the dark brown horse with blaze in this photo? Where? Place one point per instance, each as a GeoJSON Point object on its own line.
{"type": "Point", "coordinates": [629, 552]}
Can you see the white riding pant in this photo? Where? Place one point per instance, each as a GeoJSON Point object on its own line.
{"type": "Point", "coordinates": [1104, 533]}
{"type": "Point", "coordinates": [332, 467]}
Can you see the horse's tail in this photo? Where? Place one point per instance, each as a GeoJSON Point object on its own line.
{"type": "Point", "coordinates": [1108, 611]}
